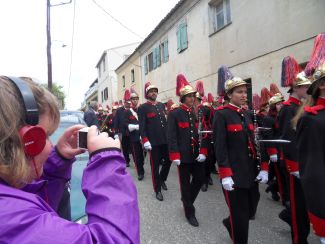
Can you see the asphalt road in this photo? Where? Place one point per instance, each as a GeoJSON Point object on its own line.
{"type": "Point", "coordinates": [164, 222]}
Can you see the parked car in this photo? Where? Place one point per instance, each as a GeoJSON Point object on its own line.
{"type": "Point", "coordinates": [73, 195]}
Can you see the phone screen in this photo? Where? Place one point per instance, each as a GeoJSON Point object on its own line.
{"type": "Point", "coordinates": [82, 138]}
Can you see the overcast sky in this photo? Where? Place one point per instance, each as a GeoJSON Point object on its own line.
{"type": "Point", "coordinates": [23, 37]}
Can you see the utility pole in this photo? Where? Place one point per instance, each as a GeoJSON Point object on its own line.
{"type": "Point", "coordinates": [49, 42]}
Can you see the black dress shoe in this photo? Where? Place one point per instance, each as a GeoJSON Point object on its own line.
{"type": "Point", "coordinates": [193, 221]}
{"type": "Point", "coordinates": [159, 196]}
{"type": "Point", "coordinates": [275, 196]}
{"type": "Point", "coordinates": [204, 187]}
{"type": "Point", "coordinates": [226, 223]}
{"type": "Point", "coordinates": [163, 186]}
{"type": "Point", "coordinates": [140, 177]}
{"type": "Point", "coordinates": [210, 181]}
{"type": "Point", "coordinates": [285, 215]}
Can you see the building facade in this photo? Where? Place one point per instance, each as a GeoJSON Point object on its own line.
{"type": "Point", "coordinates": [129, 75]}
{"type": "Point", "coordinates": [107, 78]}
{"type": "Point", "coordinates": [251, 37]}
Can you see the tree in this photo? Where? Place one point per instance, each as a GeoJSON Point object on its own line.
{"type": "Point", "coordinates": [57, 91]}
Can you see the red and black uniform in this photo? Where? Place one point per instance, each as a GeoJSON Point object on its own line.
{"type": "Point", "coordinates": [153, 128]}
{"type": "Point", "coordinates": [233, 135]}
{"type": "Point", "coordinates": [110, 125]}
{"type": "Point", "coordinates": [136, 147]}
{"type": "Point", "coordinates": [206, 120]}
{"type": "Point", "coordinates": [278, 168]}
{"type": "Point", "coordinates": [311, 154]}
{"type": "Point", "coordinates": [183, 144]}
{"type": "Point", "coordinates": [100, 117]}
{"type": "Point", "coordinates": [120, 128]}
{"type": "Point", "coordinates": [299, 218]}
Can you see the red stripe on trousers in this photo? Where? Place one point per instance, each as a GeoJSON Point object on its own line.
{"type": "Point", "coordinates": [293, 210]}
{"type": "Point", "coordinates": [180, 186]}
{"type": "Point", "coordinates": [134, 158]}
{"type": "Point", "coordinates": [231, 225]}
{"type": "Point", "coordinates": [152, 173]}
{"type": "Point", "coordinates": [277, 172]}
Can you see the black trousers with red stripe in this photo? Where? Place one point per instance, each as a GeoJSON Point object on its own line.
{"type": "Point", "coordinates": [191, 176]}
{"type": "Point", "coordinates": [242, 205]}
{"type": "Point", "coordinates": [209, 164]}
{"type": "Point", "coordinates": [300, 226]}
{"type": "Point", "coordinates": [159, 156]}
{"type": "Point", "coordinates": [137, 153]}
{"type": "Point", "coordinates": [126, 148]}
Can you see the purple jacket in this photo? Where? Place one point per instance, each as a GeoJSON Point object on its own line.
{"type": "Point", "coordinates": [112, 204]}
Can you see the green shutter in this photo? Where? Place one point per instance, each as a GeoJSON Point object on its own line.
{"type": "Point", "coordinates": [154, 58]}
{"type": "Point", "coordinates": [166, 54]}
{"type": "Point", "coordinates": [183, 36]}
{"type": "Point", "coordinates": [179, 45]}
{"type": "Point", "coordinates": [158, 51]}
{"type": "Point", "coordinates": [145, 65]}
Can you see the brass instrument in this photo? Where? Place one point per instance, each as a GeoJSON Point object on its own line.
{"type": "Point", "coordinates": [200, 127]}
{"type": "Point", "coordinates": [104, 126]}
{"type": "Point", "coordinates": [256, 138]}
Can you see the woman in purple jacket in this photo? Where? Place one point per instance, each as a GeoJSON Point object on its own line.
{"type": "Point", "coordinates": [33, 174]}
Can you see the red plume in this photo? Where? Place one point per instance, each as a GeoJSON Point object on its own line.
{"type": "Point", "coordinates": [256, 101]}
{"type": "Point", "coordinates": [290, 69]}
{"type": "Point", "coordinates": [132, 90]}
{"type": "Point", "coordinates": [204, 99]}
{"type": "Point", "coordinates": [127, 95]}
{"type": "Point", "coordinates": [274, 89]}
{"type": "Point", "coordinates": [200, 88]}
{"type": "Point", "coordinates": [169, 104]}
{"type": "Point", "coordinates": [180, 83]}
{"type": "Point", "coordinates": [317, 56]}
{"type": "Point", "coordinates": [210, 97]}
{"type": "Point", "coordinates": [265, 96]}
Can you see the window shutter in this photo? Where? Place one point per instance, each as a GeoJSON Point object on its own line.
{"type": "Point", "coordinates": [145, 65]}
{"type": "Point", "coordinates": [184, 36]}
{"type": "Point", "coordinates": [158, 50]}
{"type": "Point", "coordinates": [166, 54]}
{"type": "Point", "coordinates": [179, 45]}
{"type": "Point", "coordinates": [154, 58]}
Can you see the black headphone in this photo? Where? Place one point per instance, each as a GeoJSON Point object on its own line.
{"type": "Point", "coordinates": [32, 135]}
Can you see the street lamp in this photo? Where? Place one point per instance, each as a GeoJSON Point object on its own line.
{"type": "Point", "coordinates": [48, 35]}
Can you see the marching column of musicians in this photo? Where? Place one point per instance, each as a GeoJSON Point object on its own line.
{"type": "Point", "coordinates": [277, 142]}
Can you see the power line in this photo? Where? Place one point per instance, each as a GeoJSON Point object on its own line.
{"type": "Point", "coordinates": [110, 15]}
{"type": "Point", "coordinates": [72, 42]}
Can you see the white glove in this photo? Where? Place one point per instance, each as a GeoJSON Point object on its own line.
{"type": "Point", "coordinates": [201, 158]}
{"type": "Point", "coordinates": [296, 174]}
{"type": "Point", "coordinates": [227, 183]}
{"type": "Point", "coordinates": [322, 240]}
{"type": "Point", "coordinates": [177, 162]}
{"type": "Point", "coordinates": [133, 127]}
{"type": "Point", "coordinates": [116, 136]}
{"type": "Point", "coordinates": [274, 158]}
{"type": "Point", "coordinates": [147, 146]}
{"type": "Point", "coordinates": [263, 176]}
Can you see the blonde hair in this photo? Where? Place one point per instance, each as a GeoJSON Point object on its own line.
{"type": "Point", "coordinates": [14, 166]}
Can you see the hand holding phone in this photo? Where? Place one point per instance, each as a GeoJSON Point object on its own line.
{"type": "Point", "coordinates": [97, 141]}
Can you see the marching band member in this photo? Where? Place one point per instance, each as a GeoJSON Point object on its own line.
{"type": "Point", "coordinates": [185, 150]}
{"type": "Point", "coordinates": [311, 144]}
{"type": "Point", "coordinates": [132, 124]}
{"type": "Point", "coordinates": [153, 131]}
{"type": "Point", "coordinates": [298, 84]}
{"type": "Point", "coordinates": [236, 156]}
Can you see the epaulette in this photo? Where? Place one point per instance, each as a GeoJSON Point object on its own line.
{"type": "Point", "coordinates": [286, 103]}
{"type": "Point", "coordinates": [220, 108]}
{"type": "Point", "coordinates": [314, 110]}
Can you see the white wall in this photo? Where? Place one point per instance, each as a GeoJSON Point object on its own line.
{"type": "Point", "coordinates": [114, 58]}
